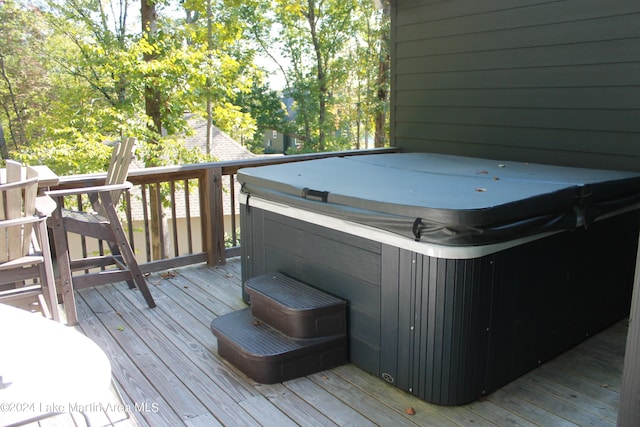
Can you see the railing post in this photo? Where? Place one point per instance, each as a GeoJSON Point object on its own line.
{"type": "Point", "coordinates": [213, 216]}
{"type": "Point", "coordinates": [629, 407]}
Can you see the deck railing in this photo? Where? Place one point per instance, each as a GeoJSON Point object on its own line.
{"type": "Point", "coordinates": [196, 209]}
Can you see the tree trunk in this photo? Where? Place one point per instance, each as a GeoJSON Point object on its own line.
{"type": "Point", "coordinates": [152, 109]}
{"type": "Point", "coordinates": [19, 134]}
{"type": "Point", "coordinates": [381, 113]}
{"type": "Point", "coordinates": [322, 80]}
{"type": "Point", "coordinates": [382, 83]}
{"type": "Point", "coordinates": [151, 94]}
{"type": "Point", "coordinates": [4, 151]}
{"type": "Point", "coordinates": [210, 56]}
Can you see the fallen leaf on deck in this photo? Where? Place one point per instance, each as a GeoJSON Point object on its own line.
{"type": "Point", "coordinates": [482, 172]}
{"type": "Point", "coordinates": [168, 275]}
{"type": "Point", "coordinates": [410, 411]}
{"type": "Point", "coordinates": [121, 328]}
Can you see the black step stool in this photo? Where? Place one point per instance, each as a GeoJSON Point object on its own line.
{"type": "Point", "coordinates": [290, 330]}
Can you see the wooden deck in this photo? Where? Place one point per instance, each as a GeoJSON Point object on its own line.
{"type": "Point", "coordinates": [167, 370]}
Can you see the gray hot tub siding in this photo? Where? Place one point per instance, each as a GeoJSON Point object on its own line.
{"type": "Point", "coordinates": [451, 330]}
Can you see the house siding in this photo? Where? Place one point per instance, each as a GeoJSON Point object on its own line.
{"type": "Point", "coordinates": [529, 80]}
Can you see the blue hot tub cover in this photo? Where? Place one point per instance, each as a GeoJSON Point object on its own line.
{"type": "Point", "coordinates": [448, 200]}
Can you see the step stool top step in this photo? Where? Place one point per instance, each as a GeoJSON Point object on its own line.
{"type": "Point", "coordinates": [290, 292]}
{"type": "Point", "coordinates": [256, 339]}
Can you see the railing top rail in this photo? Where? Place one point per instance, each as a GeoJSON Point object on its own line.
{"type": "Point", "coordinates": [193, 170]}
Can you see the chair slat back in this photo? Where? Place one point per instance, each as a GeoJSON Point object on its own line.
{"type": "Point", "coordinates": [119, 165]}
{"type": "Point", "coordinates": [17, 200]}
{"type": "Point", "coordinates": [14, 170]}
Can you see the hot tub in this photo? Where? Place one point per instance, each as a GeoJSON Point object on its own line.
{"type": "Point", "coordinates": [460, 273]}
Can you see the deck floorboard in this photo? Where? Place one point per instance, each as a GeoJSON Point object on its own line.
{"type": "Point", "coordinates": [167, 372]}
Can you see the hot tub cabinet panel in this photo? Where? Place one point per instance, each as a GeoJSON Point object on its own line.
{"type": "Point", "coordinates": [450, 323]}
{"type": "Point", "coordinates": [434, 346]}
{"type": "Point", "coordinates": [462, 328]}
{"type": "Point", "coordinates": [339, 264]}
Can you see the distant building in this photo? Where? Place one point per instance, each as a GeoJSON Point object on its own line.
{"type": "Point", "coordinates": [275, 142]}
{"type": "Point", "coordinates": [223, 147]}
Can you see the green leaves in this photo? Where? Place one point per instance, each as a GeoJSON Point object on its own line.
{"type": "Point", "coordinates": [331, 49]}
{"type": "Point", "coordinates": [73, 74]}
{"type": "Point", "coordinates": [67, 156]}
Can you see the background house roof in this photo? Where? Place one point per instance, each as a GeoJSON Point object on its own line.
{"type": "Point", "coordinates": [224, 148]}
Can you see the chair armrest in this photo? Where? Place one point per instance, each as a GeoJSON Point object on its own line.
{"type": "Point", "coordinates": [45, 205]}
{"type": "Point", "coordinates": [86, 190]}
{"type": "Point", "coordinates": [5, 223]}
{"type": "Point", "coordinates": [17, 184]}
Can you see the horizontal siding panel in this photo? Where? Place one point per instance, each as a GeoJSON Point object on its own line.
{"type": "Point", "coordinates": [584, 120]}
{"type": "Point", "coordinates": [462, 16]}
{"type": "Point", "coordinates": [609, 51]}
{"type": "Point", "coordinates": [541, 81]}
{"type": "Point", "coordinates": [531, 154]}
{"type": "Point", "coordinates": [408, 4]}
{"type": "Point", "coordinates": [579, 98]}
{"type": "Point", "coordinates": [593, 30]}
{"type": "Point", "coordinates": [570, 140]}
{"type": "Point", "coordinates": [627, 73]}
{"type": "Point", "coordinates": [419, 11]}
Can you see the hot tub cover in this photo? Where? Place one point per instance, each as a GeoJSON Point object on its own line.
{"type": "Point", "coordinates": [449, 200]}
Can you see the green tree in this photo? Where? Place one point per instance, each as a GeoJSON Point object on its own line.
{"type": "Point", "coordinates": [73, 74]}
{"type": "Point", "coordinates": [335, 66]}
{"type": "Point", "coordinates": [87, 79]}
{"type": "Point", "coordinates": [315, 34]}
{"type": "Point", "coordinates": [263, 104]}
{"type": "Point", "coordinates": [368, 81]}
{"type": "Point", "coordinates": [24, 85]}
{"type": "Point", "coordinates": [383, 76]}
{"type": "Point", "coordinates": [229, 48]}
{"type": "Point", "coordinates": [41, 106]}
